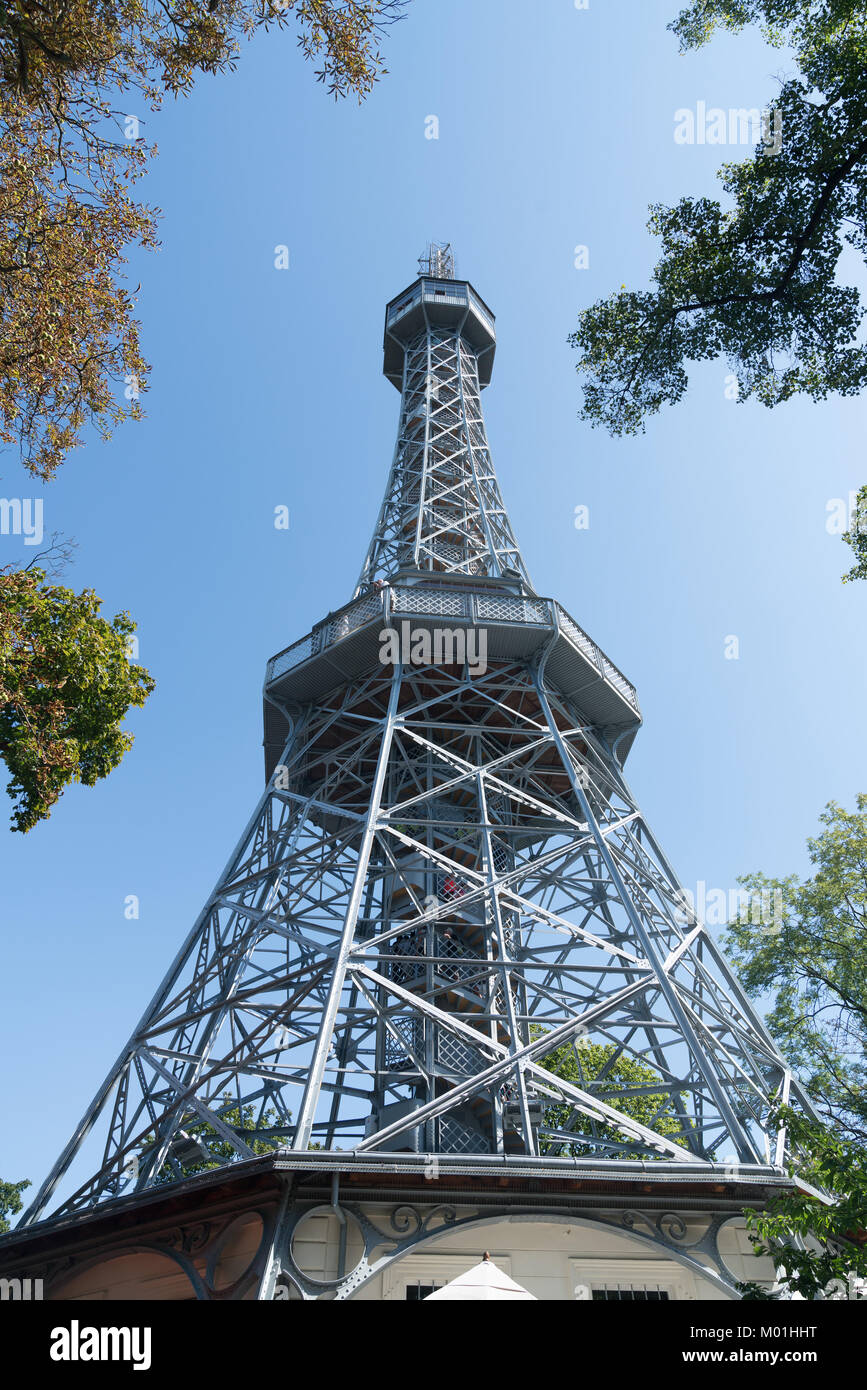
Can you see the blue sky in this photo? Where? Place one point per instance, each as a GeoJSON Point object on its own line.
{"type": "Point", "coordinates": [555, 129]}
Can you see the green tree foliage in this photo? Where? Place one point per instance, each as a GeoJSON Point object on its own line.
{"type": "Point", "coordinates": [68, 163]}
{"type": "Point", "coordinates": [813, 965]}
{"type": "Point", "coordinates": [10, 1201]}
{"type": "Point", "coordinates": [857, 538]}
{"type": "Point", "coordinates": [828, 1258]}
{"type": "Point", "coordinates": [70, 355]}
{"type": "Point", "coordinates": [66, 684]}
{"type": "Point", "coordinates": [595, 1067]}
{"type": "Point", "coordinates": [756, 280]}
{"type": "Point", "coordinates": [240, 1118]}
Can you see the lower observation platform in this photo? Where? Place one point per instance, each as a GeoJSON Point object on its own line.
{"type": "Point", "coordinates": [517, 627]}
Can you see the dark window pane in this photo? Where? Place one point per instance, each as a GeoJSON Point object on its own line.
{"type": "Point", "coordinates": [629, 1295]}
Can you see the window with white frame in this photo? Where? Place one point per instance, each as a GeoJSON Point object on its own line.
{"type": "Point", "coordinates": [601, 1280]}
{"type": "Point", "coordinates": [629, 1293]}
{"type": "Point", "coordinates": [415, 1276]}
{"type": "Point", "coordinates": [417, 1291]}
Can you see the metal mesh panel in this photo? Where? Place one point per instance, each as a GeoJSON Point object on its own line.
{"type": "Point", "coordinates": [409, 944]}
{"type": "Point", "coordinates": [599, 659]}
{"type": "Point", "coordinates": [351, 619]}
{"type": "Point", "coordinates": [504, 608]}
{"type": "Point", "coordinates": [453, 555]}
{"type": "Point", "coordinates": [578, 636]}
{"type": "Point", "coordinates": [617, 680]}
{"type": "Point", "coordinates": [293, 656]}
{"type": "Point", "coordinates": [448, 888]}
{"type": "Point", "coordinates": [457, 1056]}
{"type": "Point", "coordinates": [502, 856]}
{"type": "Point", "coordinates": [448, 967]}
{"type": "Point", "coordinates": [456, 1138]}
{"type": "Point", "coordinates": [536, 612]}
{"type": "Point", "coordinates": [397, 1052]}
{"type": "Point", "coordinates": [437, 602]}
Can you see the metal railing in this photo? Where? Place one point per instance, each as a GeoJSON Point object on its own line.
{"type": "Point", "coordinates": [400, 309]}
{"type": "Point", "coordinates": [442, 292]}
{"type": "Point", "coordinates": [449, 603]}
{"type": "Point", "coordinates": [482, 312]}
{"type": "Point", "coordinates": [578, 637]}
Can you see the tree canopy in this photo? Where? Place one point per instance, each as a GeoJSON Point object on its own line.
{"type": "Point", "coordinates": [816, 1233]}
{"type": "Point", "coordinates": [66, 684]}
{"type": "Point", "coordinates": [814, 967]}
{"type": "Point", "coordinates": [10, 1200]}
{"type": "Point", "coordinates": [600, 1068]}
{"type": "Point", "coordinates": [208, 1149]}
{"type": "Point", "coordinates": [70, 352]}
{"type": "Point", "coordinates": [857, 538]}
{"type": "Point", "coordinates": [755, 280]}
{"type": "Point", "coordinates": [69, 159]}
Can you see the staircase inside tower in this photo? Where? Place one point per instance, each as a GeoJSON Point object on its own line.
{"type": "Point", "coordinates": [435, 926]}
{"type": "Point", "coordinates": [448, 960]}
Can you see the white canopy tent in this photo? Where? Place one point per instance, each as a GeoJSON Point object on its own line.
{"type": "Point", "coordinates": [483, 1282]}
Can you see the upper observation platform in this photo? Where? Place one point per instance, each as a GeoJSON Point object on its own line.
{"type": "Point", "coordinates": [451, 305]}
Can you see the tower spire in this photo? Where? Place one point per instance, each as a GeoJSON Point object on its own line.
{"type": "Point", "coordinates": [437, 261]}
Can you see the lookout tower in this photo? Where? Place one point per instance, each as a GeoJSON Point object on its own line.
{"type": "Point", "coordinates": [448, 947]}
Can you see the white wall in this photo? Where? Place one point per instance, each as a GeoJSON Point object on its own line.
{"type": "Point", "coordinates": [550, 1259]}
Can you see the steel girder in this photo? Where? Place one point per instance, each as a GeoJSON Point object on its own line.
{"type": "Point", "coordinates": [442, 509]}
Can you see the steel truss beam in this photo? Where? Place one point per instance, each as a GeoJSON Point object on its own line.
{"type": "Point", "coordinates": [402, 936]}
{"type": "Point", "coordinates": [442, 510]}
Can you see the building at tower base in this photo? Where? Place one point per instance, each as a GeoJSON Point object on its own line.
{"type": "Point", "coordinates": [394, 1227]}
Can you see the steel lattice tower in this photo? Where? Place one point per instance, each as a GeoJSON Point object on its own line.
{"type": "Point", "coordinates": [447, 876]}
